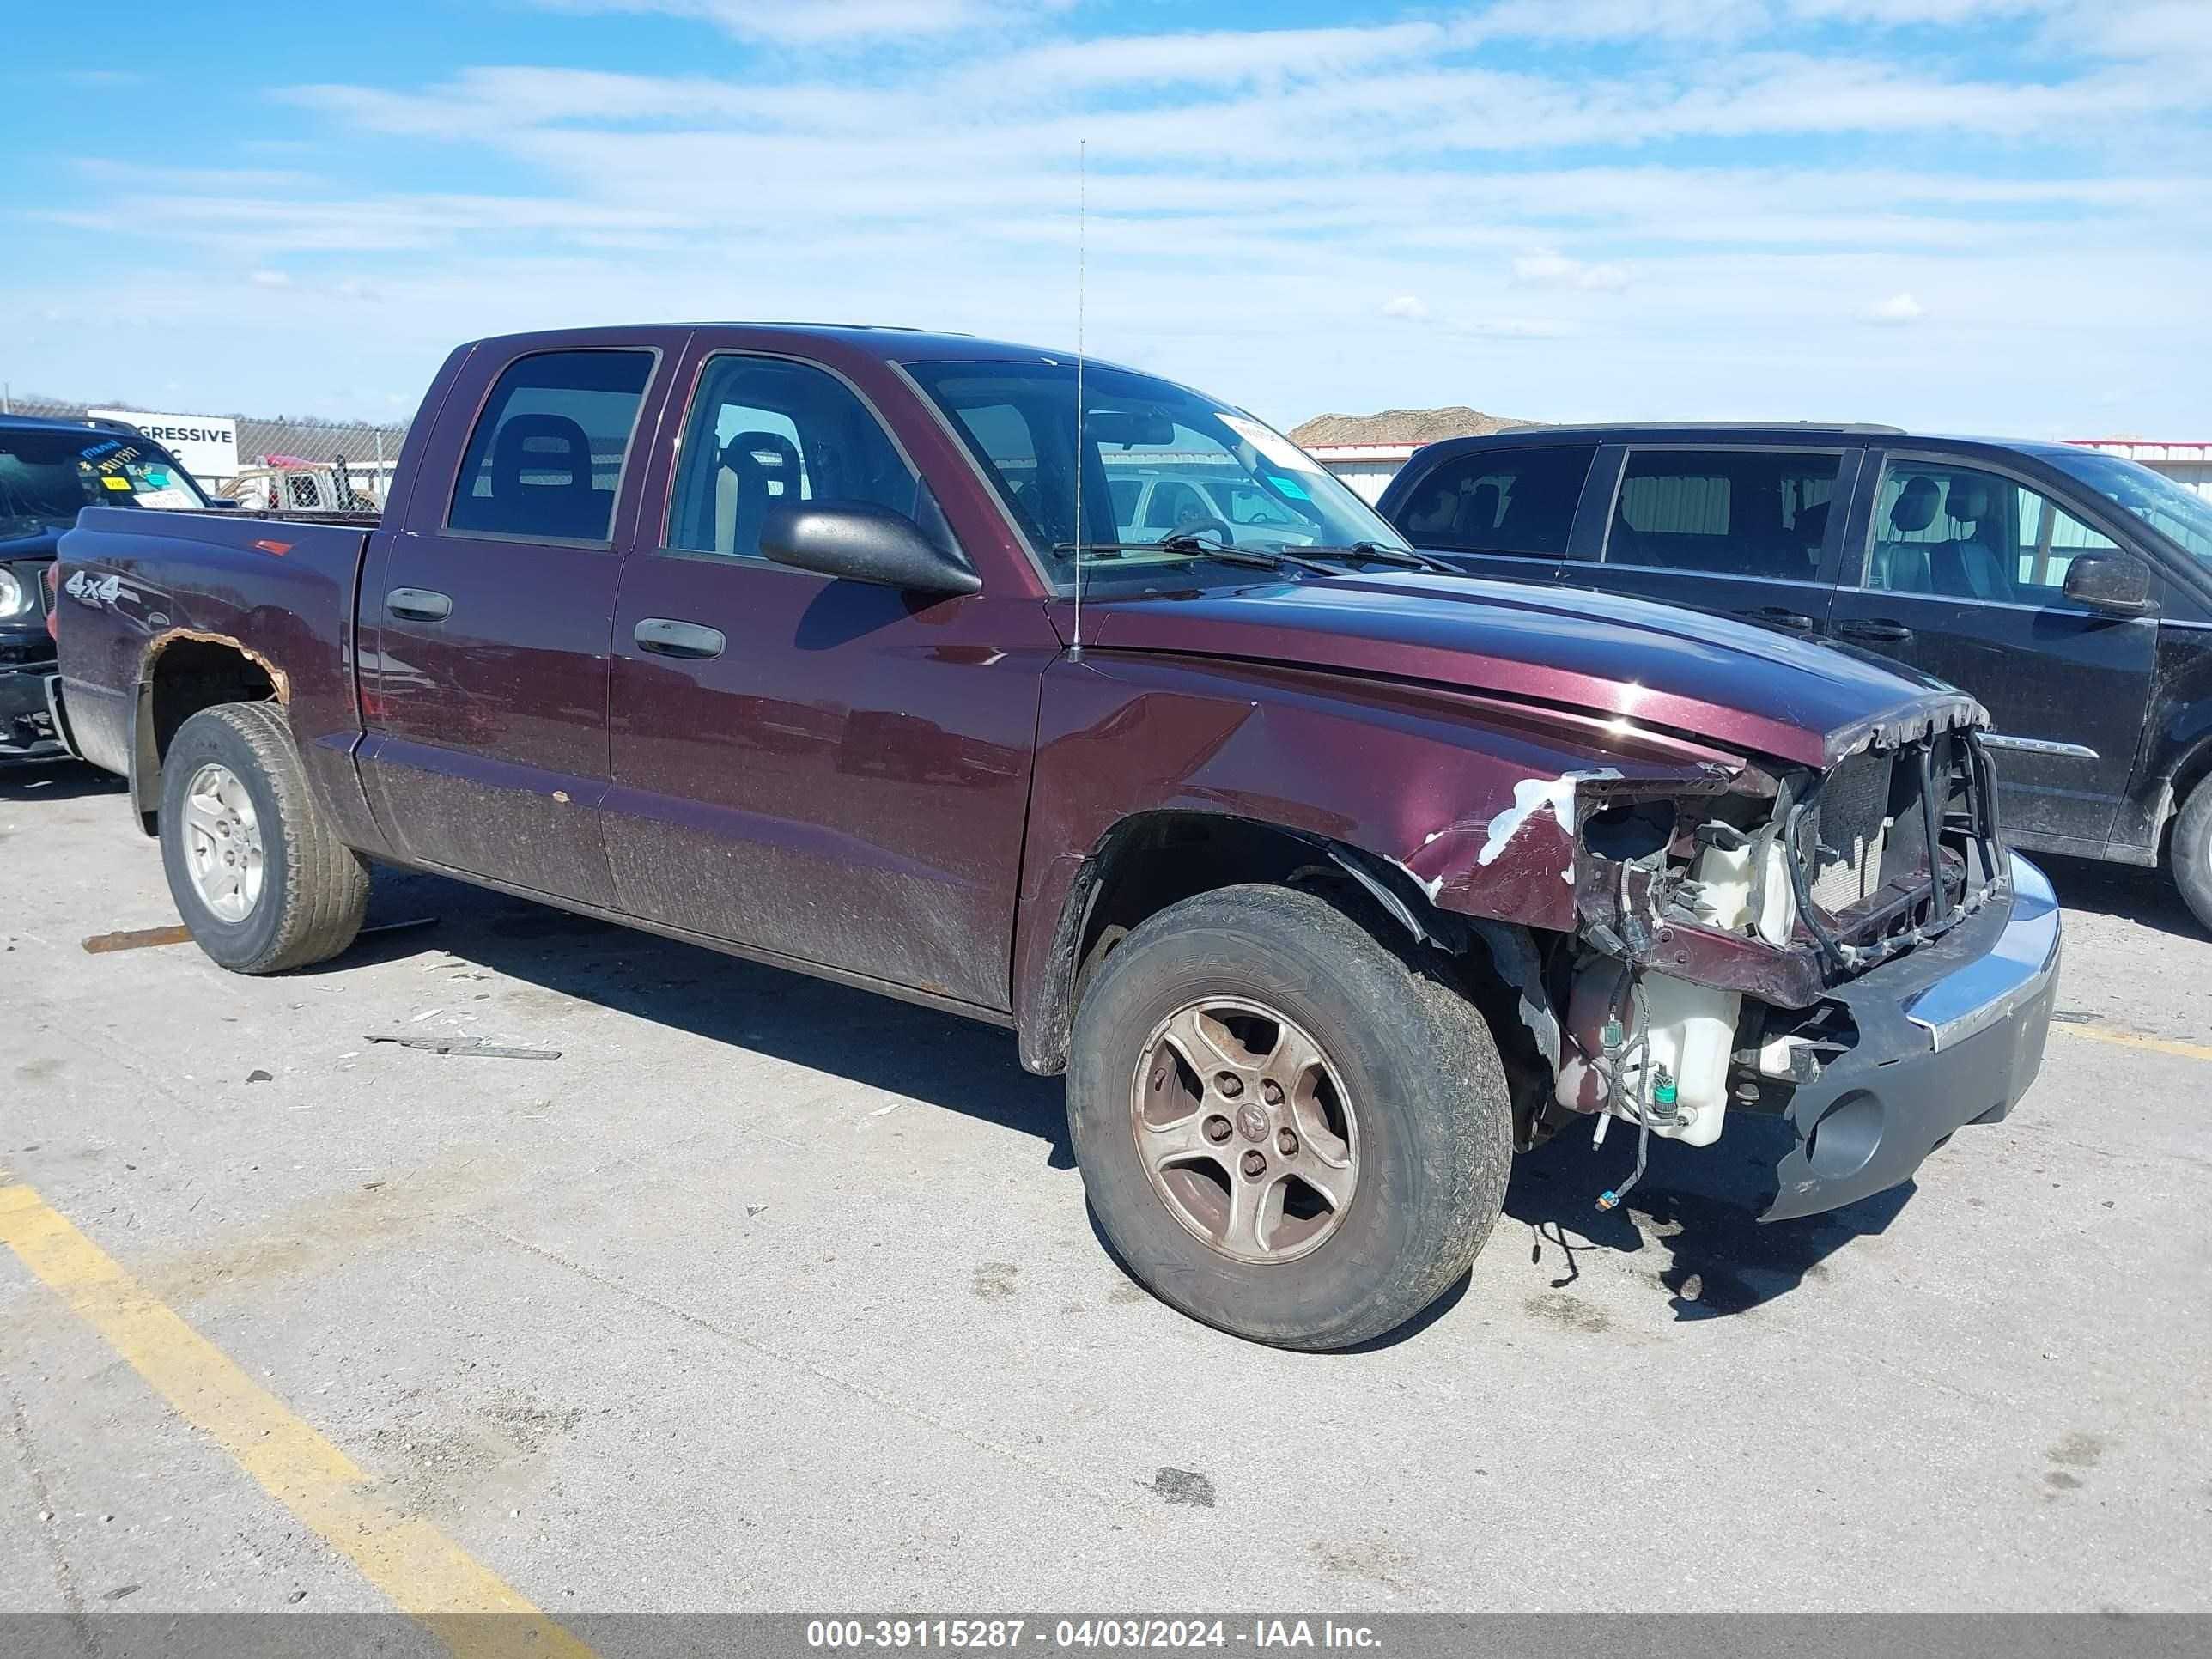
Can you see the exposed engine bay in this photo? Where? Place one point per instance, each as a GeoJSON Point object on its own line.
{"type": "Point", "coordinates": [1711, 925]}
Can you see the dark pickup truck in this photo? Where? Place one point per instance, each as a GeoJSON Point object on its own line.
{"type": "Point", "coordinates": [1327, 880]}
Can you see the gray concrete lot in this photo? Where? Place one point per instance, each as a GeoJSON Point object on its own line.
{"type": "Point", "coordinates": [772, 1295]}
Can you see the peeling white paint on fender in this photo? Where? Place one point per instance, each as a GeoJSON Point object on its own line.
{"type": "Point", "coordinates": [1433, 886]}
{"type": "Point", "coordinates": [1530, 797]}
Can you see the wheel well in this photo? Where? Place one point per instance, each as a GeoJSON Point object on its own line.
{"type": "Point", "coordinates": [1150, 862]}
{"type": "Point", "coordinates": [187, 675]}
{"type": "Point", "coordinates": [2193, 771]}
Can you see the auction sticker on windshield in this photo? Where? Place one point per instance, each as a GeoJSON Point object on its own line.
{"type": "Point", "coordinates": [1274, 444]}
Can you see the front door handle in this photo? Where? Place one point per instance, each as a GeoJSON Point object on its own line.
{"type": "Point", "coordinates": [666, 636]}
{"type": "Point", "coordinates": [1774, 616]}
{"type": "Point", "coordinates": [1878, 630]}
{"type": "Point", "coordinates": [418, 604]}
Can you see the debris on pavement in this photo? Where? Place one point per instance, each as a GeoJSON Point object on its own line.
{"type": "Point", "coordinates": [139, 938]}
{"type": "Point", "coordinates": [477, 1046]}
{"type": "Point", "coordinates": [383, 927]}
{"type": "Point", "coordinates": [1184, 1486]}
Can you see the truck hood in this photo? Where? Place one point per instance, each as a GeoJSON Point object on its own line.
{"type": "Point", "coordinates": [38, 544]}
{"type": "Point", "coordinates": [1724, 682]}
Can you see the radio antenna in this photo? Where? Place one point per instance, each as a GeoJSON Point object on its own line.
{"type": "Point", "coordinates": [1082, 228]}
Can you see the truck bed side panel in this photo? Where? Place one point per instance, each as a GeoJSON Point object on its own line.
{"type": "Point", "coordinates": [281, 591]}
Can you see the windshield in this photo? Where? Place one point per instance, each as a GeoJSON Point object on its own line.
{"type": "Point", "coordinates": [2157, 499]}
{"type": "Point", "coordinates": [46, 477]}
{"type": "Point", "coordinates": [1159, 463]}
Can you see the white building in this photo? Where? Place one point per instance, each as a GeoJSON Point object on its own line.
{"type": "Point", "coordinates": [1366, 451]}
{"type": "Point", "coordinates": [2189, 464]}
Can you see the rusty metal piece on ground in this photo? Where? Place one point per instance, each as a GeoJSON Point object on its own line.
{"type": "Point", "coordinates": [475, 1046]}
{"type": "Point", "coordinates": [397, 927]}
{"type": "Point", "coordinates": [138, 938]}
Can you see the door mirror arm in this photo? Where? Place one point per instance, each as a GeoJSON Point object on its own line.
{"type": "Point", "coordinates": [858, 542]}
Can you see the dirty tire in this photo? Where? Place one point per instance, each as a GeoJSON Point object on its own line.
{"type": "Point", "coordinates": [1423, 1076]}
{"type": "Point", "coordinates": [315, 888]}
{"type": "Point", "coordinates": [2191, 849]}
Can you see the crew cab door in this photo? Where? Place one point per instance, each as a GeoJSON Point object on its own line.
{"type": "Point", "coordinates": [823, 770]}
{"type": "Point", "coordinates": [1959, 569]}
{"type": "Point", "coordinates": [486, 614]}
{"type": "Point", "coordinates": [1748, 531]}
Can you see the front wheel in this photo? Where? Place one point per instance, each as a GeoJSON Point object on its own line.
{"type": "Point", "coordinates": [2192, 851]}
{"type": "Point", "coordinates": [258, 874]}
{"type": "Point", "coordinates": [1285, 1129]}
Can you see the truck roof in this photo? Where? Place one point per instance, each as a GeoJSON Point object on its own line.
{"type": "Point", "coordinates": [891, 343]}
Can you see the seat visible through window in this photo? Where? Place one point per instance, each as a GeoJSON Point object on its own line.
{"type": "Point", "coordinates": [762, 433]}
{"type": "Point", "coordinates": [546, 455]}
{"type": "Point", "coordinates": [1960, 533]}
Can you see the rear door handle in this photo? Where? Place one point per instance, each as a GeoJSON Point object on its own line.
{"type": "Point", "coordinates": [1874, 631]}
{"type": "Point", "coordinates": [1796, 621]}
{"type": "Point", "coordinates": [666, 636]}
{"type": "Point", "coordinates": [418, 604]}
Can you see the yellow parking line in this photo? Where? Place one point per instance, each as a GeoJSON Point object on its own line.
{"type": "Point", "coordinates": [423, 1573]}
{"type": "Point", "coordinates": [2136, 1040]}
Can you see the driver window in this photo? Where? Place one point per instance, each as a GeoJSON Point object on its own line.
{"type": "Point", "coordinates": [1959, 532]}
{"type": "Point", "coordinates": [762, 432]}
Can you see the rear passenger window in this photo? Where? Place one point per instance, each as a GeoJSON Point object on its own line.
{"type": "Point", "coordinates": [546, 456]}
{"type": "Point", "coordinates": [1500, 500]}
{"type": "Point", "coordinates": [1725, 513]}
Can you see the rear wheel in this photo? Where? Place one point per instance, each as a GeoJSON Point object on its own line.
{"type": "Point", "coordinates": [2192, 851]}
{"type": "Point", "coordinates": [257, 872]}
{"type": "Point", "coordinates": [1285, 1129]}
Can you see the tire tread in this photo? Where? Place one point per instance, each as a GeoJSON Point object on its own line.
{"type": "Point", "coordinates": [1465, 1083]}
{"type": "Point", "coordinates": [325, 892]}
{"type": "Point", "coordinates": [2191, 851]}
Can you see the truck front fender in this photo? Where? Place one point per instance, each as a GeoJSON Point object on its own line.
{"type": "Point", "coordinates": [1451, 810]}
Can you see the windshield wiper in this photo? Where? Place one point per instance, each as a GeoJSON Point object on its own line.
{"type": "Point", "coordinates": [1198, 547]}
{"type": "Point", "coordinates": [1378, 553]}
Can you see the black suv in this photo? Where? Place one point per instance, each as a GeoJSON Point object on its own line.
{"type": "Point", "coordinates": [2069, 591]}
{"type": "Point", "coordinates": [48, 469]}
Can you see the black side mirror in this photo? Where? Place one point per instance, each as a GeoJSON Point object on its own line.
{"type": "Point", "coordinates": [862, 543]}
{"type": "Point", "coordinates": [2110, 582]}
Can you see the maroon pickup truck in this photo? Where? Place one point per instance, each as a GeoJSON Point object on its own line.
{"type": "Point", "coordinates": [1064, 698]}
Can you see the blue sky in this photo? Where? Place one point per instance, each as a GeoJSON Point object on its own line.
{"type": "Point", "coordinates": [1990, 214]}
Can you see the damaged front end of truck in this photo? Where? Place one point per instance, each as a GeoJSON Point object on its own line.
{"type": "Point", "coordinates": [1849, 947]}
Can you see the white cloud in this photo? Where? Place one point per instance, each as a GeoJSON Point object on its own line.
{"type": "Point", "coordinates": [1548, 268]}
{"type": "Point", "coordinates": [1582, 20]}
{"type": "Point", "coordinates": [1897, 309]}
{"type": "Point", "coordinates": [1405, 205]}
{"type": "Point", "coordinates": [1895, 14]}
{"type": "Point", "coordinates": [1510, 328]}
{"type": "Point", "coordinates": [269, 279]}
{"type": "Point", "coordinates": [818, 22]}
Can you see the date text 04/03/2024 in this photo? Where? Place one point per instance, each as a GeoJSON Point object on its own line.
{"type": "Point", "coordinates": [1087, 1634]}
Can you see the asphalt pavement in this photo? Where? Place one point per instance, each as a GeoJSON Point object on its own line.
{"type": "Point", "coordinates": [770, 1295]}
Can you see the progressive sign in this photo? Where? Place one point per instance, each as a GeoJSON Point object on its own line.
{"type": "Point", "coordinates": [206, 444]}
